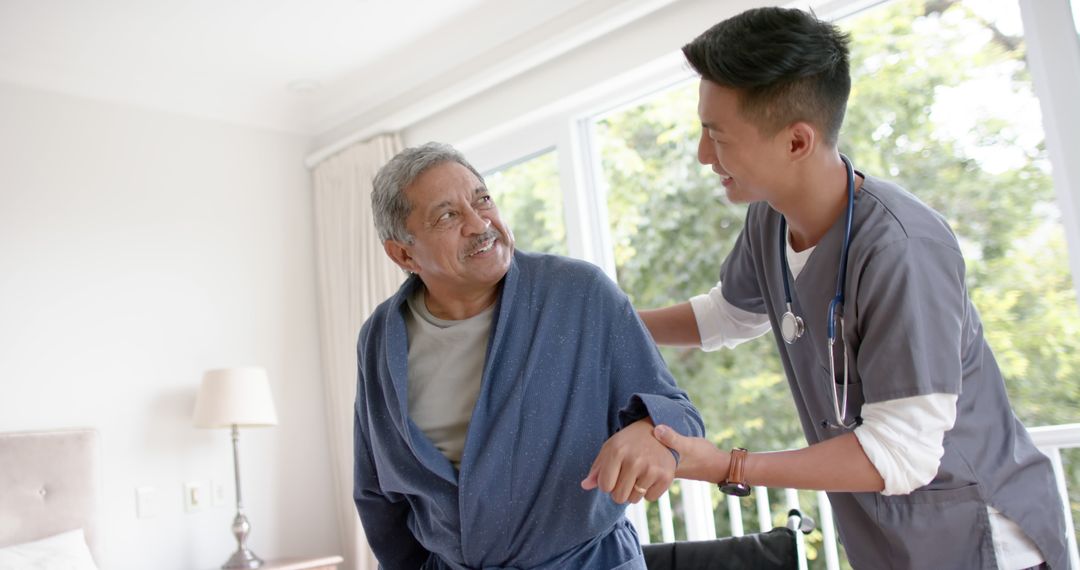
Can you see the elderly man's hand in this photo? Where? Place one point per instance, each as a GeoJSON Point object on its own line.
{"type": "Point", "coordinates": [631, 465]}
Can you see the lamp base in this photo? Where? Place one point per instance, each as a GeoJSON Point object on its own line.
{"type": "Point", "coordinates": [243, 558]}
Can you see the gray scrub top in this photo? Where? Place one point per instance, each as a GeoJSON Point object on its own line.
{"type": "Point", "coordinates": [910, 329]}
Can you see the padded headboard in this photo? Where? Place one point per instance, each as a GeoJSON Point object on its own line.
{"type": "Point", "coordinates": [50, 483]}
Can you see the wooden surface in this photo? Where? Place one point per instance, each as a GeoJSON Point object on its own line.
{"type": "Point", "coordinates": [323, 563]}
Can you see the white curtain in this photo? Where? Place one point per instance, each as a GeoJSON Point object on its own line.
{"type": "Point", "coordinates": [355, 275]}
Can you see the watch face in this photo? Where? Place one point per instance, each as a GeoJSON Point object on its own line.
{"type": "Point", "coordinates": [736, 489]}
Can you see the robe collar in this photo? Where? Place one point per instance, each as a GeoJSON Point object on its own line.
{"type": "Point", "coordinates": [397, 359]}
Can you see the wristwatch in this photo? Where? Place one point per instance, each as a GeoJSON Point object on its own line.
{"type": "Point", "coordinates": [735, 483]}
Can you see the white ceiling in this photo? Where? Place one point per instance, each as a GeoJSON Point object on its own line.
{"type": "Point", "coordinates": [303, 66]}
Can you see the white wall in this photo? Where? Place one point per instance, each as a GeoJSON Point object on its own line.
{"type": "Point", "coordinates": [138, 249]}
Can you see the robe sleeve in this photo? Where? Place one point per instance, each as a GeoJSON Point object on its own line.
{"type": "Point", "coordinates": [385, 520]}
{"type": "Point", "coordinates": [638, 375]}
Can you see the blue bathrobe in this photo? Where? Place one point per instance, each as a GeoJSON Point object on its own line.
{"type": "Point", "coordinates": [568, 364]}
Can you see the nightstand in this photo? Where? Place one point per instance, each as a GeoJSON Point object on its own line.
{"type": "Point", "coordinates": [323, 563]}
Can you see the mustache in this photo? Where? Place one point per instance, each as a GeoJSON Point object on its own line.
{"type": "Point", "coordinates": [479, 240]}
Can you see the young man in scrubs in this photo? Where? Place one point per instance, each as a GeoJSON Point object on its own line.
{"type": "Point", "coordinates": [927, 467]}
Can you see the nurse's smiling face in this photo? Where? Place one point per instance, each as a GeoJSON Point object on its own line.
{"type": "Point", "coordinates": [460, 248]}
{"type": "Point", "coordinates": [734, 147]}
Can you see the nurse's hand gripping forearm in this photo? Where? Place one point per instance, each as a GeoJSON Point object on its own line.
{"type": "Point", "coordinates": [838, 464]}
{"type": "Point", "coordinates": [632, 465]}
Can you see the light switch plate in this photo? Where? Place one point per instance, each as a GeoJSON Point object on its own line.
{"type": "Point", "coordinates": [195, 497]}
{"type": "Point", "coordinates": [146, 502]}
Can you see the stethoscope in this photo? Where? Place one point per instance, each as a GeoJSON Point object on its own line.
{"type": "Point", "coordinates": [792, 326]}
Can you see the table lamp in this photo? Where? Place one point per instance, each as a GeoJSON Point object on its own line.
{"type": "Point", "coordinates": [234, 398]}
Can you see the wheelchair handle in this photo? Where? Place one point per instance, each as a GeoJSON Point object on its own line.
{"type": "Point", "coordinates": [800, 522]}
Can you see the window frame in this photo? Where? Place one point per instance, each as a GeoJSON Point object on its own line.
{"type": "Point", "coordinates": [1053, 59]}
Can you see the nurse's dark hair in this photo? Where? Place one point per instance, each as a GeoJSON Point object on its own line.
{"type": "Point", "coordinates": [389, 204]}
{"type": "Point", "coordinates": [785, 64]}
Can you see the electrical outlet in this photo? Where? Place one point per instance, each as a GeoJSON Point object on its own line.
{"type": "Point", "coordinates": [195, 498]}
{"type": "Point", "coordinates": [218, 494]}
{"type": "Point", "coordinates": [146, 502]}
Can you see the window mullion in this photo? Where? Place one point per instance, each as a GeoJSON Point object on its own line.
{"type": "Point", "coordinates": [1053, 58]}
{"type": "Point", "coordinates": [585, 196]}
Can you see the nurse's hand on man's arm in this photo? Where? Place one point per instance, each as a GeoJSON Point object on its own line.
{"type": "Point", "coordinates": [699, 459]}
{"type": "Point", "coordinates": [837, 464]}
{"type": "Point", "coordinates": [632, 465]}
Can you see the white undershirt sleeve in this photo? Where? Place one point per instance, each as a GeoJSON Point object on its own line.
{"type": "Point", "coordinates": [903, 438]}
{"type": "Point", "coordinates": [722, 324]}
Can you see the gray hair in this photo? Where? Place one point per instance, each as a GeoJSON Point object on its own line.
{"type": "Point", "coordinates": [389, 205]}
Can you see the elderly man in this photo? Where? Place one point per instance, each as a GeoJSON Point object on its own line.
{"type": "Point", "coordinates": [489, 383]}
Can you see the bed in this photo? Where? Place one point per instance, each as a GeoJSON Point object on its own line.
{"type": "Point", "coordinates": [50, 483]}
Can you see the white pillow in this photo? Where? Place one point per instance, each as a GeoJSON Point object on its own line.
{"type": "Point", "coordinates": [64, 551]}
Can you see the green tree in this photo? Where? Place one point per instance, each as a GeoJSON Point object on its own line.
{"type": "Point", "coordinates": [530, 202]}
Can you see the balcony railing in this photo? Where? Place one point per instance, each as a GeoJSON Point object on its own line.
{"type": "Point", "coordinates": [699, 518]}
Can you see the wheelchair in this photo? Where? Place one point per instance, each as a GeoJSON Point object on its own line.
{"type": "Point", "coordinates": [772, 550]}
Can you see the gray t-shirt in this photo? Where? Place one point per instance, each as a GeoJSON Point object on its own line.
{"type": "Point", "coordinates": [446, 361]}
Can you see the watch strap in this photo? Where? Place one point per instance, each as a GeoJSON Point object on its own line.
{"type": "Point", "coordinates": [735, 482]}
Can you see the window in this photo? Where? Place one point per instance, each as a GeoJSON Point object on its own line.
{"type": "Point", "coordinates": [530, 202]}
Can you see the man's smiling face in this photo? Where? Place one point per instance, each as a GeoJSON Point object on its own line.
{"type": "Point", "coordinates": [460, 244]}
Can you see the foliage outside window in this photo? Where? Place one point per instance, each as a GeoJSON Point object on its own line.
{"type": "Point", "coordinates": [941, 103]}
{"type": "Point", "coordinates": [530, 202]}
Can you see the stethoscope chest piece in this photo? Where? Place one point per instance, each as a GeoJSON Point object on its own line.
{"type": "Point", "coordinates": [791, 327]}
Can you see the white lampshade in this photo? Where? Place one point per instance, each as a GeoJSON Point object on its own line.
{"type": "Point", "coordinates": [235, 396]}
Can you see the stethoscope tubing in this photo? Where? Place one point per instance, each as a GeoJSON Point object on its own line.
{"type": "Point", "coordinates": [837, 303]}
{"type": "Point", "coordinates": [791, 325]}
